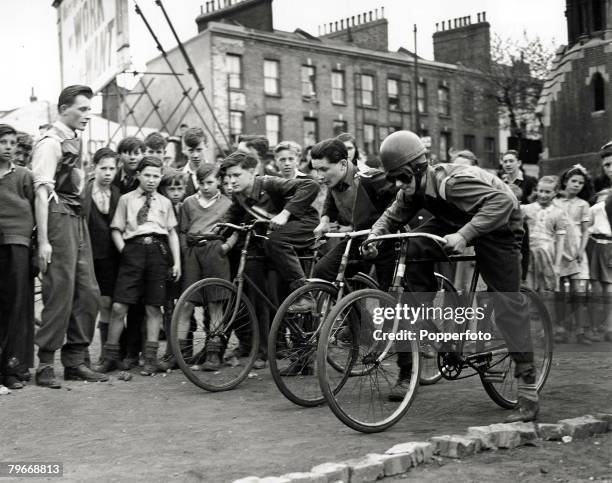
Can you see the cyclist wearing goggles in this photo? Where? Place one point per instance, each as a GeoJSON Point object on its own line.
{"type": "Point", "coordinates": [469, 205]}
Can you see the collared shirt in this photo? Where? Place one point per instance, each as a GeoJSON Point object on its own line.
{"type": "Point", "coordinates": [10, 170]}
{"type": "Point", "coordinates": [341, 198]}
{"type": "Point", "coordinates": [526, 183]}
{"type": "Point", "coordinates": [192, 175]}
{"type": "Point", "coordinates": [160, 220]}
{"type": "Point", "coordinates": [46, 155]}
{"type": "Point", "coordinates": [101, 197]}
{"type": "Point", "coordinates": [125, 182]}
{"type": "Point", "coordinates": [206, 203]}
{"type": "Point", "coordinates": [601, 224]}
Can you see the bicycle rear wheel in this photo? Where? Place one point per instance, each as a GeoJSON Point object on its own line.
{"type": "Point", "coordinates": [359, 393]}
{"type": "Point", "coordinates": [446, 296]}
{"type": "Point", "coordinates": [500, 383]}
{"type": "Point", "coordinates": [208, 321]}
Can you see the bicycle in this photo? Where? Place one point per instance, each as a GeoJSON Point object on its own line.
{"type": "Point", "coordinates": [356, 396]}
{"type": "Point", "coordinates": [222, 314]}
{"type": "Point", "coordinates": [293, 337]}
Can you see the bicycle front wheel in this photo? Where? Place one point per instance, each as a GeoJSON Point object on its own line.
{"type": "Point", "coordinates": [500, 383]}
{"type": "Point", "coordinates": [292, 344]}
{"type": "Point", "coordinates": [209, 322]}
{"type": "Point", "coordinates": [363, 394]}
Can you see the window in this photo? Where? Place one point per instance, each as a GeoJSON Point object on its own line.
{"type": "Point", "coordinates": [367, 90]}
{"type": "Point", "coordinates": [599, 93]}
{"type": "Point", "coordinates": [271, 77]}
{"type": "Point", "coordinates": [445, 142]}
{"type": "Point", "coordinates": [338, 94]}
{"type": "Point", "coordinates": [599, 15]}
{"type": "Point", "coordinates": [233, 64]}
{"type": "Point", "coordinates": [273, 128]}
{"type": "Point", "coordinates": [311, 131]}
{"type": "Point", "coordinates": [491, 151]}
{"type": "Point", "coordinates": [369, 140]}
{"type": "Point", "coordinates": [444, 101]}
{"type": "Point", "coordinates": [340, 127]}
{"type": "Point", "coordinates": [469, 142]}
{"type": "Point", "coordinates": [393, 94]}
{"type": "Point", "coordinates": [236, 124]}
{"type": "Point", "coordinates": [422, 97]}
{"type": "Point", "coordinates": [309, 86]}
{"type": "Point", "coordinates": [468, 105]}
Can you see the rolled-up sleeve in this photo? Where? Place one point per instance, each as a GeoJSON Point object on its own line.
{"type": "Point", "coordinates": [490, 208]}
{"type": "Point", "coordinates": [120, 219]}
{"type": "Point", "coordinates": [45, 158]}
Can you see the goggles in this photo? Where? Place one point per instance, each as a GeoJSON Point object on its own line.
{"type": "Point", "coordinates": [407, 173]}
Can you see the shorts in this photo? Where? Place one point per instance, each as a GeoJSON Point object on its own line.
{"type": "Point", "coordinates": [106, 270]}
{"type": "Point", "coordinates": [204, 261]}
{"type": "Point", "coordinates": [143, 272]}
{"type": "Point", "coordinates": [600, 261]}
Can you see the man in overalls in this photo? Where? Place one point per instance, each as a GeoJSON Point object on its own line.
{"type": "Point", "coordinates": [69, 289]}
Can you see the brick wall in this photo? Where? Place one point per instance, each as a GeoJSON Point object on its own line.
{"type": "Point", "coordinates": [253, 14]}
{"type": "Point", "coordinates": [371, 35]}
{"type": "Point", "coordinates": [470, 45]}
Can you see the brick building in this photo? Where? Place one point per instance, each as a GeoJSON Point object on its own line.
{"type": "Point", "coordinates": [294, 85]}
{"type": "Point", "coordinates": [576, 103]}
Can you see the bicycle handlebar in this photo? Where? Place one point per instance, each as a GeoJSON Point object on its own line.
{"type": "Point", "coordinates": [348, 234]}
{"type": "Point", "coordinates": [244, 228]}
{"type": "Point", "coordinates": [393, 236]}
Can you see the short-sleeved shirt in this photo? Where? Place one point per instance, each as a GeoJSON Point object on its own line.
{"type": "Point", "coordinates": [160, 220]}
{"type": "Point", "coordinates": [544, 223]}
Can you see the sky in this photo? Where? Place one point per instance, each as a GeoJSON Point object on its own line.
{"type": "Point", "coordinates": [28, 31]}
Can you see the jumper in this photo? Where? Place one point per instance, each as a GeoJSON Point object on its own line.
{"type": "Point", "coordinates": [17, 213]}
{"type": "Point", "coordinates": [197, 220]}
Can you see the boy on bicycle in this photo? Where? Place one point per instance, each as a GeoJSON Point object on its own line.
{"type": "Point", "coordinates": [287, 204]}
{"type": "Point", "coordinates": [469, 206]}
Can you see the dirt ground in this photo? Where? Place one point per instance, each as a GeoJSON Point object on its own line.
{"type": "Point", "coordinates": [588, 460]}
{"type": "Point", "coordinates": [164, 428]}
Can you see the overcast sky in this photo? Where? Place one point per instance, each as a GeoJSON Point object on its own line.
{"type": "Point", "coordinates": [28, 30]}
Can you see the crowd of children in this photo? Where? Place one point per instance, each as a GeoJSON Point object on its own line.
{"type": "Point", "coordinates": [151, 233]}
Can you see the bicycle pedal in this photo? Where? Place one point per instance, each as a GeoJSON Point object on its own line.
{"type": "Point", "coordinates": [493, 376]}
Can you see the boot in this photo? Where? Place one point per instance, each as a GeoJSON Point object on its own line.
{"type": "Point", "coordinates": [103, 328]}
{"type": "Point", "coordinates": [45, 377]}
{"type": "Point", "coordinates": [150, 359]}
{"type": "Point", "coordinates": [111, 358]}
{"type": "Point", "coordinates": [527, 410]}
{"type": "Point", "coordinates": [214, 350]}
{"type": "Point", "coordinates": [398, 392]}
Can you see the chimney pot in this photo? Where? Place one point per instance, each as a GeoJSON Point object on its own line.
{"type": "Point", "coordinates": [484, 16]}
{"type": "Point", "coordinates": [382, 12]}
{"type": "Point", "coordinates": [335, 26]}
{"type": "Point", "coordinates": [342, 24]}
{"type": "Point", "coordinates": [376, 14]}
{"type": "Point", "coordinates": [359, 19]}
{"type": "Point", "coordinates": [437, 27]}
{"type": "Point", "coordinates": [319, 30]}
{"type": "Point", "coordinates": [330, 28]}
{"type": "Point", "coordinates": [353, 20]}
{"type": "Point", "coordinates": [219, 4]}
{"type": "Point", "coordinates": [370, 15]}
{"type": "Point", "coordinates": [478, 17]}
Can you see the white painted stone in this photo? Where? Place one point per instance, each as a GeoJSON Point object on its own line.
{"type": "Point", "coordinates": [366, 469]}
{"type": "Point", "coordinates": [454, 446]}
{"type": "Point", "coordinates": [394, 464]}
{"type": "Point", "coordinates": [583, 427]}
{"type": "Point", "coordinates": [422, 451]}
{"type": "Point", "coordinates": [333, 471]}
{"type": "Point", "coordinates": [484, 434]}
{"type": "Point", "coordinates": [505, 436]}
{"type": "Point", "coordinates": [527, 431]}
{"type": "Point", "coordinates": [300, 477]}
{"type": "Point", "coordinates": [551, 432]}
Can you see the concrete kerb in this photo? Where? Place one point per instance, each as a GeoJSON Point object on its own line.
{"type": "Point", "coordinates": [401, 457]}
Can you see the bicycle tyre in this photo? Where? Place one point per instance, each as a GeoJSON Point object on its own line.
{"type": "Point", "coordinates": [332, 393]}
{"type": "Point", "coordinates": [246, 314]}
{"type": "Point", "coordinates": [493, 390]}
{"type": "Point", "coordinates": [285, 333]}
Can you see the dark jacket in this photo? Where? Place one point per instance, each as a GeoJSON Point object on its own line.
{"type": "Point", "coordinates": [102, 245]}
{"type": "Point", "coordinates": [273, 194]}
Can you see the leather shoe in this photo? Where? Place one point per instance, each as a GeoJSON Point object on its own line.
{"type": "Point", "coordinates": [527, 410]}
{"type": "Point", "coordinates": [398, 392]}
{"type": "Point", "coordinates": [45, 377]}
{"type": "Point", "coordinates": [83, 373]}
{"type": "Point", "coordinates": [13, 382]}
{"type": "Point", "coordinates": [303, 304]}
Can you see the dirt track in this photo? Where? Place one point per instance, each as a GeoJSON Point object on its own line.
{"type": "Point", "coordinates": [162, 428]}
